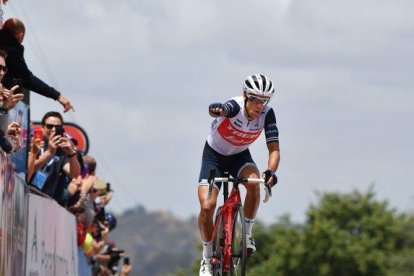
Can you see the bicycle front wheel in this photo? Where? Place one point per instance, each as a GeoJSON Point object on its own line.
{"type": "Point", "coordinates": [218, 247]}
{"type": "Point", "coordinates": [238, 244]}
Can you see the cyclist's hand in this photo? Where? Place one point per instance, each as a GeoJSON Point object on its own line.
{"type": "Point", "coordinates": [271, 180]}
{"type": "Point", "coordinates": [216, 110]}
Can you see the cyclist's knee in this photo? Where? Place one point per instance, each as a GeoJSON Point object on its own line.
{"type": "Point", "coordinates": [207, 208]}
{"type": "Point", "coordinates": [252, 188]}
{"type": "Point", "coordinates": [249, 171]}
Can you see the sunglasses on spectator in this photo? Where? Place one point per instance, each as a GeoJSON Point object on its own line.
{"type": "Point", "coordinates": [50, 126]}
{"type": "Point", "coordinates": [3, 68]}
{"type": "Point", "coordinates": [257, 100]}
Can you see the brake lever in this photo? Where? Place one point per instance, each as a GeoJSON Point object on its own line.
{"type": "Point", "coordinates": [210, 183]}
{"type": "Point", "coordinates": [268, 192]}
{"type": "Point", "coordinates": [210, 189]}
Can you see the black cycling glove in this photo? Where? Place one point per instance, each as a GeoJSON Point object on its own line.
{"type": "Point", "coordinates": [268, 174]}
{"type": "Point", "coordinates": [214, 106]}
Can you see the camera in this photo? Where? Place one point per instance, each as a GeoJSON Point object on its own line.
{"type": "Point", "coordinates": [18, 82]}
{"type": "Point", "coordinates": [115, 257]}
{"type": "Point", "coordinates": [59, 130]}
{"type": "Point", "coordinates": [37, 134]}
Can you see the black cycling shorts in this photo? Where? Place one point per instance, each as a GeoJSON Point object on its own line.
{"type": "Point", "coordinates": [232, 164]}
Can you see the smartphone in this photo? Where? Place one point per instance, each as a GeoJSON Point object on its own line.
{"type": "Point", "coordinates": [18, 82]}
{"type": "Point", "coordinates": [108, 187]}
{"type": "Point", "coordinates": [60, 130]}
{"type": "Point", "coordinates": [37, 134]}
{"type": "Point", "coordinates": [126, 261]}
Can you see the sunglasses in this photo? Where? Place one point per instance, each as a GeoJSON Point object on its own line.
{"type": "Point", "coordinates": [3, 68]}
{"type": "Point", "coordinates": [50, 126]}
{"type": "Point", "coordinates": [257, 100]}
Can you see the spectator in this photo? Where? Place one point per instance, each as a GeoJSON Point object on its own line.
{"type": "Point", "coordinates": [58, 156]}
{"type": "Point", "coordinates": [11, 38]}
{"type": "Point", "coordinates": [13, 134]}
{"type": "Point", "coordinates": [67, 192]}
{"type": "Point", "coordinates": [103, 193]}
{"type": "Point", "coordinates": [35, 146]}
{"type": "Point", "coordinates": [88, 180]}
{"type": "Point", "coordinates": [89, 174]}
{"type": "Point", "coordinates": [126, 269]}
{"type": "Point", "coordinates": [8, 99]}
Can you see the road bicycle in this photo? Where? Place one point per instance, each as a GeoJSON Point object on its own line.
{"type": "Point", "coordinates": [229, 235]}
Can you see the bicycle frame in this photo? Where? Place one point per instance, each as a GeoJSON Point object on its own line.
{"type": "Point", "coordinates": [226, 213]}
{"type": "Point", "coordinates": [226, 224]}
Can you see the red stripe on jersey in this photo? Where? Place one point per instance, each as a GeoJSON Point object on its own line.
{"type": "Point", "coordinates": [235, 136]}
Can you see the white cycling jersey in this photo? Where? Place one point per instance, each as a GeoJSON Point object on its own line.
{"type": "Point", "coordinates": [234, 133]}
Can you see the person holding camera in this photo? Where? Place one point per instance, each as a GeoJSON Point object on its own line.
{"type": "Point", "coordinates": [8, 100]}
{"type": "Point", "coordinates": [57, 158]}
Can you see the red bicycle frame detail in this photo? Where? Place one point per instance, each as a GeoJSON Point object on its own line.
{"type": "Point", "coordinates": [226, 213]}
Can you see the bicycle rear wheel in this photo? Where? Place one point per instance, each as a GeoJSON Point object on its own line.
{"type": "Point", "coordinates": [218, 247]}
{"type": "Point", "coordinates": [238, 244]}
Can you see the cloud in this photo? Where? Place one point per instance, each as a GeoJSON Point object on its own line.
{"type": "Point", "coordinates": [142, 73]}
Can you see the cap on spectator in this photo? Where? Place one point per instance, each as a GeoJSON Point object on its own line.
{"type": "Point", "coordinates": [111, 220]}
{"type": "Point", "coordinates": [87, 245]}
{"type": "Point", "coordinates": [100, 185]}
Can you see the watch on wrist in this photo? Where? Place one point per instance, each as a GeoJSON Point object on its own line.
{"type": "Point", "coordinates": [73, 154]}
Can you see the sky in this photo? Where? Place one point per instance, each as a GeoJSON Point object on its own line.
{"type": "Point", "coordinates": [142, 73]}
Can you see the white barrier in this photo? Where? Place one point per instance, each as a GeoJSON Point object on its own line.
{"type": "Point", "coordinates": [13, 210]}
{"type": "Point", "coordinates": [51, 239]}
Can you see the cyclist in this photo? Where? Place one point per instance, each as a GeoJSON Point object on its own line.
{"type": "Point", "coordinates": [237, 124]}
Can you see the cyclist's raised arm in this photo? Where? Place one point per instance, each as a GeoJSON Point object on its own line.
{"type": "Point", "coordinates": [229, 109]}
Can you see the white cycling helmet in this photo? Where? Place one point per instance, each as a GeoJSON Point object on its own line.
{"type": "Point", "coordinates": [258, 85]}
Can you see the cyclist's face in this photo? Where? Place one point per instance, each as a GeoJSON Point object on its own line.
{"type": "Point", "coordinates": [254, 107]}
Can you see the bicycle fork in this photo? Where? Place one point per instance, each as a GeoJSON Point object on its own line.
{"type": "Point", "coordinates": [225, 241]}
{"type": "Point", "coordinates": [227, 214]}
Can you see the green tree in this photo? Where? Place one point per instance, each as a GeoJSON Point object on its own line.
{"type": "Point", "coordinates": [350, 234]}
{"type": "Point", "coordinates": [344, 234]}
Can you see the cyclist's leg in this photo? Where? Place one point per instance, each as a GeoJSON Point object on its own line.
{"type": "Point", "coordinates": [252, 200]}
{"type": "Point", "coordinates": [251, 204]}
{"type": "Point", "coordinates": [205, 224]}
{"type": "Point", "coordinates": [205, 217]}
{"type": "Point", "coordinates": [244, 166]}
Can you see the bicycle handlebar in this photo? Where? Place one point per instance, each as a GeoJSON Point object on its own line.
{"type": "Point", "coordinates": [239, 180]}
{"type": "Point", "coordinates": [212, 179]}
